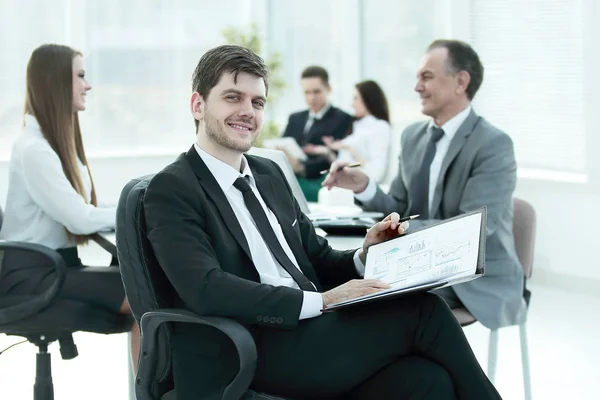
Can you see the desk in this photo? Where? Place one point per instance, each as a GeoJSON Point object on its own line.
{"type": "Point", "coordinates": [107, 240]}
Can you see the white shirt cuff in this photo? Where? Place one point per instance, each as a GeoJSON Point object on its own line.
{"type": "Point", "coordinates": [367, 195]}
{"type": "Point", "coordinates": [312, 303]}
{"type": "Point", "coordinates": [360, 267]}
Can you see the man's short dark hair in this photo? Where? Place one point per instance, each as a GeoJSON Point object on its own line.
{"type": "Point", "coordinates": [314, 71]}
{"type": "Point", "coordinates": [226, 58]}
{"type": "Point", "coordinates": [462, 57]}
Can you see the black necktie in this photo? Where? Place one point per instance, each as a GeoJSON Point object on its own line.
{"type": "Point", "coordinates": [268, 235]}
{"type": "Point", "coordinates": [310, 122]}
{"type": "Point", "coordinates": [419, 190]}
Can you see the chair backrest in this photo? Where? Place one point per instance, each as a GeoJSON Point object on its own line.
{"type": "Point", "coordinates": [524, 227]}
{"type": "Point", "coordinates": [145, 283]}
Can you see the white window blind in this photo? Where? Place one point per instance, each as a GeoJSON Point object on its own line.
{"type": "Point", "coordinates": [533, 88]}
{"type": "Point", "coordinates": [139, 58]}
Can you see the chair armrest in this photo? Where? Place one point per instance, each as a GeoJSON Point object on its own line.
{"type": "Point", "coordinates": [237, 333]}
{"type": "Point", "coordinates": [39, 302]}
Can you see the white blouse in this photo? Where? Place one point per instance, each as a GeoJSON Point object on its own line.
{"type": "Point", "coordinates": [370, 138]}
{"type": "Point", "coordinates": [41, 202]}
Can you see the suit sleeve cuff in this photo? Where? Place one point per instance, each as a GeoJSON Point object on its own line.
{"type": "Point", "coordinates": [312, 303]}
{"type": "Point", "coordinates": [368, 194]}
{"type": "Point", "coordinates": [358, 265]}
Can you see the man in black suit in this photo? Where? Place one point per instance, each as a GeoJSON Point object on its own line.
{"type": "Point", "coordinates": [233, 242]}
{"type": "Point", "coordinates": [321, 119]}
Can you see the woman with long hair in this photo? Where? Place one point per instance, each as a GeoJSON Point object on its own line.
{"type": "Point", "coordinates": [369, 142]}
{"type": "Point", "coordinates": [51, 197]}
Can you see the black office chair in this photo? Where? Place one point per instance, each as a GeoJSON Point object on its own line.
{"type": "Point", "coordinates": [151, 297]}
{"type": "Point", "coordinates": [42, 318]}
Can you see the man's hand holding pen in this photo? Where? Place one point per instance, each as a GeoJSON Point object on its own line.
{"type": "Point", "coordinates": [344, 176]}
{"type": "Point", "coordinates": [389, 228]}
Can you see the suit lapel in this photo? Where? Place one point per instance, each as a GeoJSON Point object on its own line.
{"type": "Point", "coordinates": [300, 135]}
{"type": "Point", "coordinates": [213, 190]}
{"type": "Point", "coordinates": [456, 145]}
{"type": "Point", "coordinates": [414, 159]}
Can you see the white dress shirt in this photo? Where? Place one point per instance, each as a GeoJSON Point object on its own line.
{"type": "Point", "coordinates": [441, 148]}
{"type": "Point", "coordinates": [269, 269]}
{"type": "Point", "coordinates": [312, 117]}
{"type": "Point", "coordinates": [370, 138]}
{"type": "Point", "coordinates": [41, 202]}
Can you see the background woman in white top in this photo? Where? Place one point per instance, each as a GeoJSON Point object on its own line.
{"type": "Point", "coordinates": [51, 198]}
{"type": "Point", "coordinates": [371, 132]}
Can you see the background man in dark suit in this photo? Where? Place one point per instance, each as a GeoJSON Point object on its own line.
{"type": "Point", "coordinates": [321, 119]}
{"type": "Point", "coordinates": [233, 242]}
{"type": "Point", "coordinates": [454, 163]}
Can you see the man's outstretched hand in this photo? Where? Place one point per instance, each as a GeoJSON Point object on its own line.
{"type": "Point", "coordinates": [354, 179]}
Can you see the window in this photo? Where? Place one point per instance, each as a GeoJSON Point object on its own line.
{"type": "Point", "coordinates": [533, 89]}
{"type": "Point", "coordinates": [139, 58]}
{"type": "Point", "coordinates": [396, 35]}
{"type": "Point", "coordinates": [313, 32]}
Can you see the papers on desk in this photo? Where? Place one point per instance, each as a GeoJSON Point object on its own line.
{"type": "Point", "coordinates": [450, 252]}
{"type": "Point", "coordinates": [340, 218]}
{"type": "Point", "coordinates": [288, 144]}
{"type": "Point", "coordinates": [320, 212]}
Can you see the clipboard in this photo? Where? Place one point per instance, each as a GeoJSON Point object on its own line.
{"type": "Point", "coordinates": [400, 291]}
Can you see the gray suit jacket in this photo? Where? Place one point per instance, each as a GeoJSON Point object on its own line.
{"type": "Point", "coordinates": [479, 169]}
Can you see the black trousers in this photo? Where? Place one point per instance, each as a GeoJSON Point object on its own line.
{"type": "Point", "coordinates": [27, 273]}
{"type": "Point", "coordinates": [450, 297]}
{"type": "Point", "coordinates": [407, 348]}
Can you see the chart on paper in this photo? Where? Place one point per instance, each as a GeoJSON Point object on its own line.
{"type": "Point", "coordinates": [446, 250]}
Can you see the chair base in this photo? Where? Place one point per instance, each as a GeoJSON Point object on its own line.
{"type": "Point", "coordinates": [493, 357]}
{"type": "Point", "coordinates": [43, 389]}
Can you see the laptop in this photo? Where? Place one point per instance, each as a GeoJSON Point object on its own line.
{"type": "Point", "coordinates": [333, 220]}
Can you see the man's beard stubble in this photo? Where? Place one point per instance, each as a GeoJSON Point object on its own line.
{"type": "Point", "coordinates": [217, 133]}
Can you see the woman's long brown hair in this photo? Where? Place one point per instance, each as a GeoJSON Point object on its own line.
{"type": "Point", "coordinates": [49, 98]}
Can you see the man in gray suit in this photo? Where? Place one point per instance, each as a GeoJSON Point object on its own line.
{"type": "Point", "coordinates": [454, 163]}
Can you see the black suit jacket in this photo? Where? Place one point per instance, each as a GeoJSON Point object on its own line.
{"type": "Point", "coordinates": [200, 245]}
{"type": "Point", "coordinates": [334, 123]}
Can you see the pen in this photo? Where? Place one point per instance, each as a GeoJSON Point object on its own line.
{"type": "Point", "coordinates": [325, 171]}
{"type": "Point", "coordinates": [410, 217]}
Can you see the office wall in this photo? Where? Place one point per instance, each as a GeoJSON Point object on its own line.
{"type": "Point", "coordinates": [567, 232]}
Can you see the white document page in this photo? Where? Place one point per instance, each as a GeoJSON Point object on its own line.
{"type": "Point", "coordinates": [446, 252]}
{"type": "Point", "coordinates": [288, 144]}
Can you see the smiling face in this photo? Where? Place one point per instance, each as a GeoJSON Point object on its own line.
{"type": "Point", "coordinates": [231, 116]}
{"type": "Point", "coordinates": [443, 93]}
{"type": "Point", "coordinates": [80, 85]}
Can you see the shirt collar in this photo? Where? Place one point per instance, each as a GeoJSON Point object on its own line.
{"type": "Point", "coordinates": [451, 126]}
{"type": "Point", "coordinates": [320, 114]}
{"type": "Point", "coordinates": [367, 118]}
{"type": "Point", "coordinates": [224, 173]}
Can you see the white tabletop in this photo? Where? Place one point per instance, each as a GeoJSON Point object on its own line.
{"type": "Point", "coordinates": [337, 242]}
